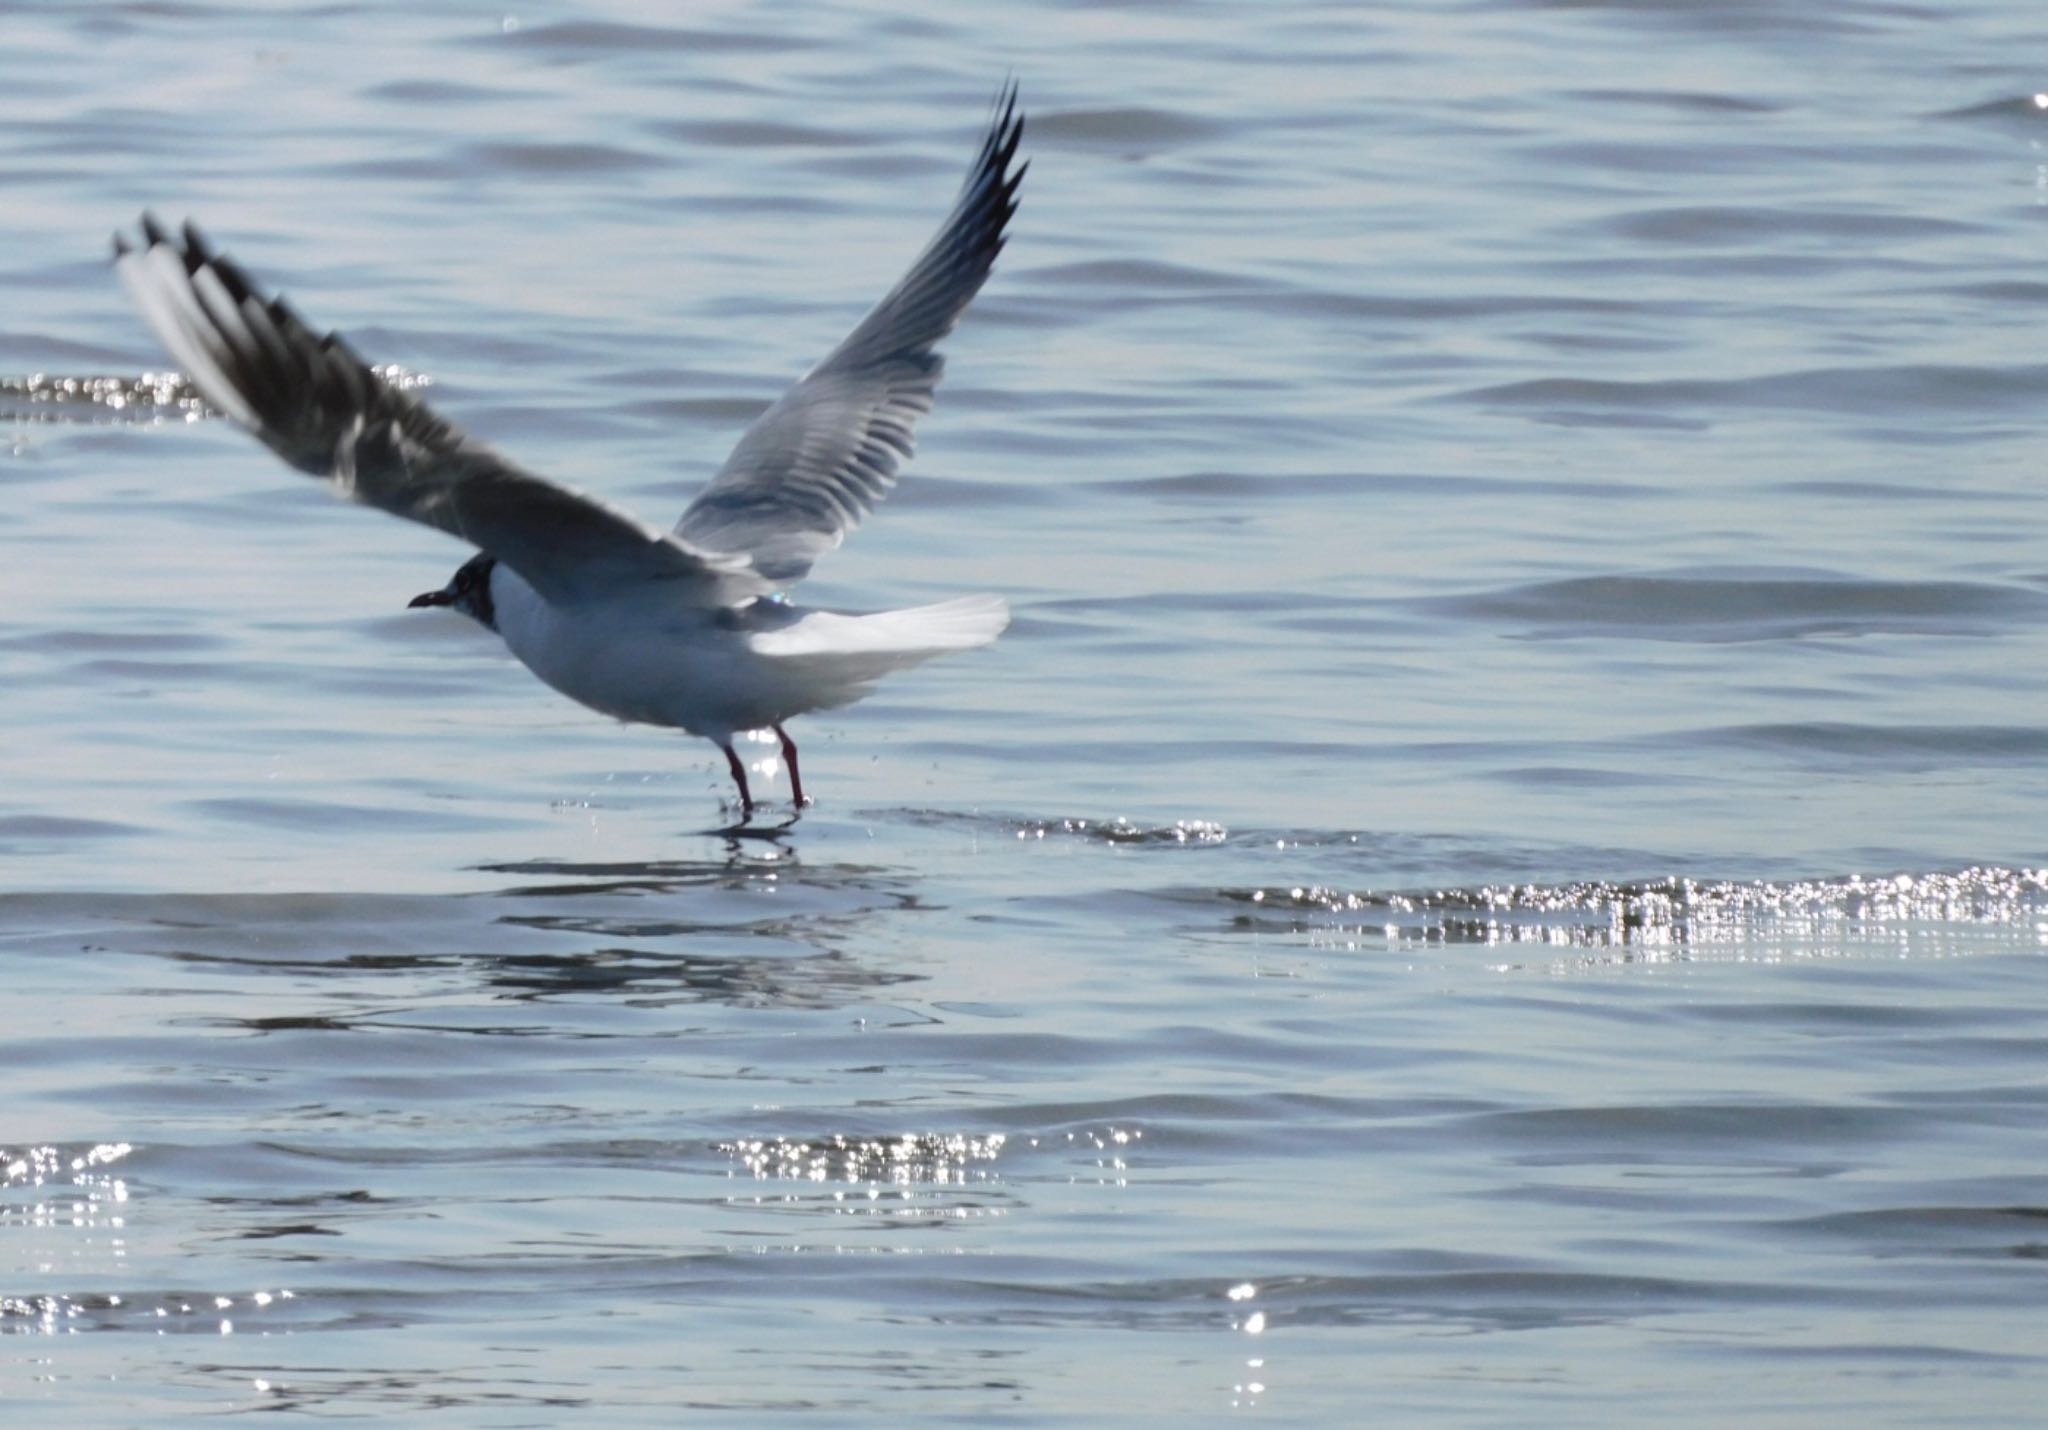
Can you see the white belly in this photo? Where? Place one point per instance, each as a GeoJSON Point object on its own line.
{"type": "Point", "coordinates": [676, 665]}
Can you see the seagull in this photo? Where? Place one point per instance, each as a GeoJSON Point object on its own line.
{"type": "Point", "coordinates": [686, 628]}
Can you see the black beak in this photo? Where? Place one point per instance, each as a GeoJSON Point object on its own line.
{"type": "Point", "coordinates": [431, 598]}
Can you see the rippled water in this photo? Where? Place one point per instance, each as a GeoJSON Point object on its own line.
{"type": "Point", "coordinates": [1495, 878]}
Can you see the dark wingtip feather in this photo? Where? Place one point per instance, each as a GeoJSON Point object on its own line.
{"type": "Point", "coordinates": [238, 283]}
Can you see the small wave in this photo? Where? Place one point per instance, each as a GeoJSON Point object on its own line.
{"type": "Point", "coordinates": [912, 1157]}
{"type": "Point", "coordinates": [1131, 125]}
{"type": "Point", "coordinates": [27, 833]}
{"type": "Point", "coordinates": [752, 134]}
{"type": "Point", "coordinates": [535, 160]}
{"type": "Point", "coordinates": [2017, 1232]}
{"type": "Point", "coordinates": [1116, 830]}
{"type": "Point", "coordinates": [64, 1313]}
{"type": "Point", "coordinates": [1717, 606]}
{"type": "Point", "coordinates": [1893, 748]}
{"type": "Point", "coordinates": [439, 90]}
{"type": "Point", "coordinates": [1721, 19]}
{"type": "Point", "coordinates": [85, 1193]}
{"type": "Point", "coordinates": [1671, 918]}
{"type": "Point", "coordinates": [2002, 292]}
{"type": "Point", "coordinates": [1222, 487]}
{"type": "Point", "coordinates": [576, 39]}
{"type": "Point", "coordinates": [1137, 278]}
{"type": "Point", "coordinates": [2023, 112]}
{"type": "Point", "coordinates": [1680, 101]}
{"type": "Point", "coordinates": [298, 815]}
{"type": "Point", "coordinates": [782, 967]}
{"type": "Point", "coordinates": [1774, 226]}
{"type": "Point", "coordinates": [1949, 390]}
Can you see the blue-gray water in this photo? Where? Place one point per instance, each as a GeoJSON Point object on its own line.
{"type": "Point", "coordinates": [1488, 882]}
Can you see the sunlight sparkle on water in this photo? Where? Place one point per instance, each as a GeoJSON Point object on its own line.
{"type": "Point", "coordinates": [1124, 831]}
{"type": "Point", "coordinates": [915, 1175]}
{"type": "Point", "coordinates": [1921, 915]}
{"type": "Point", "coordinates": [939, 1158]}
{"type": "Point", "coordinates": [93, 1205]}
{"type": "Point", "coordinates": [146, 398]}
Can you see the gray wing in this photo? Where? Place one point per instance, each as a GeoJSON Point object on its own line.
{"type": "Point", "coordinates": [320, 407]}
{"type": "Point", "coordinates": [826, 452]}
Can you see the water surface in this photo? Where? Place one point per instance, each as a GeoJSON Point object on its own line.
{"type": "Point", "coordinates": [1495, 876]}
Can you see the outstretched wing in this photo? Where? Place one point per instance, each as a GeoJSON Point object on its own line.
{"type": "Point", "coordinates": [316, 404]}
{"type": "Point", "coordinates": [826, 452]}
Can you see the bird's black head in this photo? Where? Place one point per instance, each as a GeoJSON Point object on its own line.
{"type": "Point", "coordinates": [468, 591]}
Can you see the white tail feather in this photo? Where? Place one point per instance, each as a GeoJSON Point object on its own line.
{"type": "Point", "coordinates": [835, 659]}
{"type": "Point", "coordinates": [918, 632]}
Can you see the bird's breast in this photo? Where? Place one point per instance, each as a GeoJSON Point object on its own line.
{"type": "Point", "coordinates": [637, 656]}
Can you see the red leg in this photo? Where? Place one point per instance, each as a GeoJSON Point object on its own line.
{"type": "Point", "coordinates": [796, 781]}
{"type": "Point", "coordinates": [739, 777]}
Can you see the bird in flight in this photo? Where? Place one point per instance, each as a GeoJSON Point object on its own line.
{"type": "Point", "coordinates": [684, 628]}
